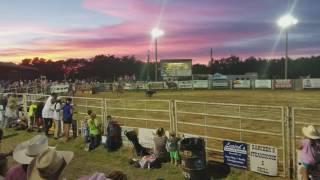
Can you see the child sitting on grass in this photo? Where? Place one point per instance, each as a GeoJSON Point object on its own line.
{"type": "Point", "coordinates": [172, 148]}
{"type": "Point", "coordinates": [310, 151]}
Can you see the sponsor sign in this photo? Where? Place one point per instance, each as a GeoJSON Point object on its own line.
{"type": "Point", "coordinates": [235, 154]}
{"type": "Point", "coordinates": [62, 88]}
{"type": "Point", "coordinates": [200, 84]}
{"type": "Point", "coordinates": [263, 83]}
{"type": "Point", "coordinates": [220, 83]}
{"type": "Point", "coordinates": [242, 84]}
{"type": "Point", "coordinates": [146, 137]}
{"type": "Point", "coordinates": [185, 84]}
{"type": "Point", "coordinates": [311, 83]}
{"type": "Point", "coordinates": [156, 85]}
{"type": "Point", "coordinates": [263, 159]}
{"type": "Point", "coordinates": [282, 83]}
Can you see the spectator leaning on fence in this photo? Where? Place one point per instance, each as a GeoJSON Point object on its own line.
{"type": "Point", "coordinates": [310, 150]}
{"type": "Point", "coordinates": [47, 112]}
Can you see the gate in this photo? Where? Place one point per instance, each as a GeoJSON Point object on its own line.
{"type": "Point", "coordinates": [216, 122]}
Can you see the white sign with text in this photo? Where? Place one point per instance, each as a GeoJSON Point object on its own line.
{"type": "Point", "coordinates": [263, 159]}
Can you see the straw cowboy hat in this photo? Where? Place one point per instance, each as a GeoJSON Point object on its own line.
{"type": "Point", "coordinates": [25, 152]}
{"type": "Point", "coordinates": [310, 132]}
{"type": "Point", "coordinates": [49, 165]}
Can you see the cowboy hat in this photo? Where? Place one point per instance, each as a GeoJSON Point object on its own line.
{"type": "Point", "coordinates": [25, 152]}
{"type": "Point", "coordinates": [310, 132]}
{"type": "Point", "coordinates": [49, 165]}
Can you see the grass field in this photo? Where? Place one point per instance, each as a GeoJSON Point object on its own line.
{"type": "Point", "coordinates": [99, 160]}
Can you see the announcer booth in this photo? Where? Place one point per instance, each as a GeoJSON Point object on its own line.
{"type": "Point", "coordinates": [176, 69]}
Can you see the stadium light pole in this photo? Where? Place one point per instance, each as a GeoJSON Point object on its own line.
{"type": "Point", "coordinates": [155, 34]}
{"type": "Point", "coordinates": [285, 22]}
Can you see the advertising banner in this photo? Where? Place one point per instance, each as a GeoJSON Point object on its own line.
{"type": "Point", "coordinates": [235, 154]}
{"type": "Point", "coordinates": [263, 159]}
{"type": "Point", "coordinates": [262, 83]}
{"type": "Point", "coordinates": [242, 84]}
{"type": "Point", "coordinates": [156, 85]}
{"type": "Point", "coordinates": [185, 84]}
{"type": "Point", "coordinates": [311, 83]}
{"type": "Point", "coordinates": [220, 83]}
{"type": "Point", "coordinates": [61, 88]}
{"type": "Point", "coordinates": [200, 84]}
{"type": "Point", "coordinates": [282, 84]}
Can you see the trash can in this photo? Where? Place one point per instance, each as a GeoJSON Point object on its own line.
{"type": "Point", "coordinates": [193, 158]}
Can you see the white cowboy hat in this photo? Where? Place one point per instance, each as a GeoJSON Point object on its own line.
{"type": "Point", "coordinates": [49, 165]}
{"type": "Point", "coordinates": [310, 132]}
{"type": "Point", "coordinates": [25, 152]}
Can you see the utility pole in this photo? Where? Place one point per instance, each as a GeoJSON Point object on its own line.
{"type": "Point", "coordinates": [148, 66]}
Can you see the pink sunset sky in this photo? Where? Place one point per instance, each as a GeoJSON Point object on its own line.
{"type": "Point", "coordinates": [63, 29]}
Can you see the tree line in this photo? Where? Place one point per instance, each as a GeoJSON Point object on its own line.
{"type": "Point", "coordinates": [110, 67]}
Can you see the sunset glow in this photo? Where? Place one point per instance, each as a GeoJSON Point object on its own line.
{"type": "Point", "coordinates": [60, 29]}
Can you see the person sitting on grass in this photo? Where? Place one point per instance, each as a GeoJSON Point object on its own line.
{"type": "Point", "coordinates": [94, 131]}
{"type": "Point", "coordinates": [114, 175]}
{"type": "Point", "coordinates": [310, 151]}
{"type": "Point", "coordinates": [113, 132]}
{"type": "Point", "coordinates": [22, 123]}
{"type": "Point", "coordinates": [160, 140]}
{"type": "Point", "coordinates": [172, 148]}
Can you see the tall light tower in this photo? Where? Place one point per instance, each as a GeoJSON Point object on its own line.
{"type": "Point", "coordinates": [285, 22]}
{"type": "Point", "coordinates": [155, 34]}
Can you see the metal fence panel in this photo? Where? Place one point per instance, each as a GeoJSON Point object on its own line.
{"type": "Point", "coordinates": [243, 123]}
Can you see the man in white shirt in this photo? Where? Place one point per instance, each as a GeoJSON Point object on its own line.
{"type": "Point", "coordinates": [47, 112]}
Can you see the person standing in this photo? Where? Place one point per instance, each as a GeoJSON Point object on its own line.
{"type": "Point", "coordinates": [47, 112]}
{"type": "Point", "coordinates": [31, 114]}
{"type": "Point", "coordinates": [310, 148]}
{"type": "Point", "coordinates": [67, 118]}
{"type": "Point", "coordinates": [172, 148]}
{"type": "Point", "coordinates": [57, 117]}
{"type": "Point", "coordinates": [38, 116]}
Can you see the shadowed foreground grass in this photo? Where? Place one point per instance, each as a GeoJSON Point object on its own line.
{"type": "Point", "coordinates": [99, 160]}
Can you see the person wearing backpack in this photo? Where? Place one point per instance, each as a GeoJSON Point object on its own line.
{"type": "Point", "coordinates": [172, 148]}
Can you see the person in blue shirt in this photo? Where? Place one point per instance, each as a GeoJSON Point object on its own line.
{"type": "Point", "coordinates": [67, 118]}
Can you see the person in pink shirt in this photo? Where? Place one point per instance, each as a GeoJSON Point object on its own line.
{"type": "Point", "coordinates": [310, 150]}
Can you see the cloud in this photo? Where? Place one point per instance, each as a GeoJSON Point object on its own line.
{"type": "Point", "coordinates": [191, 29]}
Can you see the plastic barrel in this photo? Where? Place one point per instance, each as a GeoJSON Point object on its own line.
{"type": "Point", "coordinates": [193, 158]}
